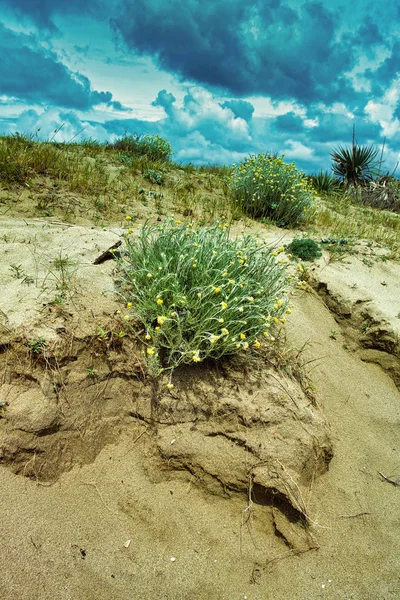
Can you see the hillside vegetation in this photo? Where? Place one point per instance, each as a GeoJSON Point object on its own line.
{"type": "Point", "coordinates": [93, 183]}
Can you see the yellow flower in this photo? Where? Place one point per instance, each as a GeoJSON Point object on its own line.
{"type": "Point", "coordinates": [283, 320]}
{"type": "Point", "coordinates": [150, 351]}
{"type": "Point", "coordinates": [160, 301]}
{"type": "Point", "coordinates": [170, 386]}
{"type": "Point", "coordinates": [130, 230]}
{"type": "Point", "coordinates": [217, 290]}
{"type": "Point", "coordinates": [242, 336]}
{"type": "Point", "coordinates": [147, 337]}
{"type": "Point", "coordinates": [288, 311]}
{"type": "Point", "coordinates": [128, 218]}
{"type": "Point", "coordinates": [149, 275]}
{"type": "Point", "coordinates": [225, 274]}
{"type": "Point", "coordinates": [224, 331]}
{"type": "Point", "coordinates": [173, 315]}
{"type": "Point", "coordinates": [194, 265]}
{"type": "Point", "coordinates": [240, 309]}
{"type": "Point", "coordinates": [161, 320]}
{"type": "Point", "coordinates": [127, 317]}
{"type": "Point", "coordinates": [224, 305]}
{"type": "Point", "coordinates": [256, 344]}
{"type": "Point", "coordinates": [199, 294]}
{"type": "Point", "coordinates": [275, 320]}
{"type": "Point", "coordinates": [196, 357]}
{"type": "Point", "coordinates": [221, 320]}
{"type": "Point", "coordinates": [214, 338]}
{"type": "Point", "coordinates": [245, 345]}
{"type": "Point", "coordinates": [250, 299]}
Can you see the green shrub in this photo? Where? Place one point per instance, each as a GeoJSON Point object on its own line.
{"type": "Point", "coordinates": [198, 294]}
{"type": "Point", "coordinates": [306, 249]}
{"type": "Point", "coordinates": [324, 183]}
{"type": "Point", "coordinates": [154, 176]}
{"type": "Point", "coordinates": [267, 188]}
{"type": "Point", "coordinates": [153, 147]}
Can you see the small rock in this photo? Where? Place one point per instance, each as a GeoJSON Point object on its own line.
{"type": "Point", "coordinates": [32, 411]}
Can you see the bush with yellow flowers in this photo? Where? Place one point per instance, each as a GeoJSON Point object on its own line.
{"type": "Point", "coordinates": [264, 187]}
{"type": "Point", "coordinates": [199, 294]}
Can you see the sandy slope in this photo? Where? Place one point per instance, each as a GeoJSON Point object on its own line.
{"type": "Point", "coordinates": [70, 539]}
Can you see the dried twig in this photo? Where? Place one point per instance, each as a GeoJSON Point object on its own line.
{"type": "Point", "coordinates": [395, 482]}
{"type": "Point", "coordinates": [360, 514]}
{"type": "Point", "coordinates": [109, 254]}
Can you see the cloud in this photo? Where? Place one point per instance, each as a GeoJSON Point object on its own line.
{"type": "Point", "coordinates": [30, 72]}
{"type": "Point", "coordinates": [272, 48]}
{"type": "Point", "coordinates": [42, 12]}
{"type": "Point", "coordinates": [240, 108]}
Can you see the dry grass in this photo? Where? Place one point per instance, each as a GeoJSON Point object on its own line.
{"type": "Point", "coordinates": [338, 217]}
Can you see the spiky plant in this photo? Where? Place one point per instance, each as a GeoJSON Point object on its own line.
{"type": "Point", "coordinates": [324, 183]}
{"type": "Point", "coordinates": [356, 165]}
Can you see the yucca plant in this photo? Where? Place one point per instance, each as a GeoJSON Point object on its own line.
{"type": "Point", "coordinates": [324, 183]}
{"type": "Point", "coordinates": [356, 165]}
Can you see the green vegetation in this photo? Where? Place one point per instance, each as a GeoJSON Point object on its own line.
{"type": "Point", "coordinates": [324, 183]}
{"type": "Point", "coordinates": [37, 345]}
{"type": "Point", "coordinates": [304, 248]}
{"type": "Point", "coordinates": [264, 187]}
{"type": "Point", "coordinates": [356, 165]}
{"type": "Point", "coordinates": [199, 294]}
{"type": "Point", "coordinates": [153, 147]}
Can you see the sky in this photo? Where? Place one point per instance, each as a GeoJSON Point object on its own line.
{"type": "Point", "coordinates": [219, 79]}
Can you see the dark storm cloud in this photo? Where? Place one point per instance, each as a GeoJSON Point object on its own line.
{"type": "Point", "coordinates": [31, 73]}
{"type": "Point", "coordinates": [332, 127]}
{"type": "Point", "coordinates": [390, 66]}
{"type": "Point", "coordinates": [240, 108]}
{"type": "Point", "coordinates": [265, 48]}
{"type": "Point", "coordinates": [41, 12]}
{"type": "Point", "coordinates": [289, 123]}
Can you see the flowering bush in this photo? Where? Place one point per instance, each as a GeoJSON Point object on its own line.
{"type": "Point", "coordinates": [265, 187]}
{"type": "Point", "coordinates": [198, 294]}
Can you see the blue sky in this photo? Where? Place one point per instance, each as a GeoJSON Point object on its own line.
{"type": "Point", "coordinates": [220, 79]}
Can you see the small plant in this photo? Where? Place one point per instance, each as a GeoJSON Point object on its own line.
{"type": "Point", "coordinates": [334, 334]}
{"type": "Point", "coordinates": [154, 176]}
{"type": "Point", "coordinates": [37, 345]}
{"type": "Point", "coordinates": [92, 373]}
{"type": "Point", "coordinates": [198, 294]}
{"type": "Point", "coordinates": [18, 273]}
{"type": "Point", "coordinates": [305, 248]}
{"type": "Point", "coordinates": [102, 335]}
{"type": "Point", "coordinates": [264, 187]}
{"type": "Point", "coordinates": [63, 271]}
